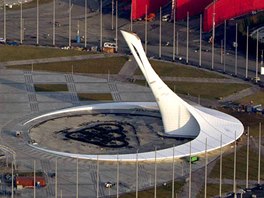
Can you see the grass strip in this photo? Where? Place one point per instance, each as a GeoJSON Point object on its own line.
{"type": "Point", "coordinates": [173, 70]}
{"type": "Point", "coordinates": [94, 96]}
{"type": "Point", "coordinates": [162, 191]}
{"type": "Point", "coordinates": [205, 90]}
{"type": "Point", "coordinates": [111, 65]}
{"type": "Point", "coordinates": [228, 165]}
{"type": "Point", "coordinates": [12, 53]}
{"type": "Point", "coordinates": [50, 87]}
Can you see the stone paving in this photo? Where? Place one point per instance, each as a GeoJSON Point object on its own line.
{"type": "Point", "coordinates": [18, 99]}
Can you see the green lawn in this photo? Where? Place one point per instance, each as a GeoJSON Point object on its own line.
{"type": "Point", "coordinates": [50, 87]}
{"type": "Point", "coordinates": [94, 96]}
{"type": "Point", "coordinates": [205, 90]}
{"type": "Point", "coordinates": [173, 70]}
{"type": "Point", "coordinates": [257, 98]}
{"type": "Point", "coordinates": [162, 191]}
{"type": "Point", "coordinates": [95, 66]}
{"type": "Point", "coordinates": [11, 53]}
{"type": "Point", "coordinates": [228, 165]}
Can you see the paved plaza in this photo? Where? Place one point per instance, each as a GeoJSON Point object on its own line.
{"type": "Point", "coordinates": [19, 100]}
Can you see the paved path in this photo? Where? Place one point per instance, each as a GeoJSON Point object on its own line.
{"type": "Point", "coordinates": [197, 181]}
{"type": "Point", "coordinates": [242, 94]}
{"type": "Point", "coordinates": [129, 68]}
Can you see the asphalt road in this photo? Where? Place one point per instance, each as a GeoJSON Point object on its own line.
{"type": "Point", "coordinates": [93, 34]}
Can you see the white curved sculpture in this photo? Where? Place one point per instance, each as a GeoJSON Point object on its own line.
{"type": "Point", "coordinates": [179, 118]}
{"type": "Point", "coordinates": [176, 116]}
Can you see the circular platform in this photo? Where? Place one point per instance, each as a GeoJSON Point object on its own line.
{"type": "Point", "coordinates": [216, 128]}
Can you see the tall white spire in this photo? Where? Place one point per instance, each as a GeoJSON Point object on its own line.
{"type": "Point", "coordinates": [176, 117]}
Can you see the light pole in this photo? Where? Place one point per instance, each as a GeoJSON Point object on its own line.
{"type": "Point", "coordinates": [112, 21]}
{"type": "Point", "coordinates": [155, 180]}
{"type": "Point", "coordinates": [225, 46]}
{"type": "Point", "coordinates": [213, 38]}
{"type": "Point", "coordinates": [234, 178]}
{"type": "Point", "coordinates": [70, 10]}
{"type": "Point", "coordinates": [37, 22]}
{"type": "Point", "coordinates": [101, 24]}
{"type": "Point", "coordinates": [187, 43]}
{"type": "Point", "coordinates": [190, 171]}
{"type": "Point", "coordinates": [221, 166]}
{"type": "Point", "coordinates": [200, 49]}
{"type": "Point", "coordinates": [85, 24]}
{"type": "Point", "coordinates": [53, 24]}
{"type": "Point", "coordinates": [23, 26]}
{"type": "Point", "coordinates": [4, 21]}
{"type": "Point", "coordinates": [34, 178]}
{"type": "Point", "coordinates": [177, 43]}
{"type": "Point", "coordinates": [221, 52]}
{"type": "Point", "coordinates": [247, 53]}
{"type": "Point", "coordinates": [146, 29]}
{"type": "Point", "coordinates": [116, 33]}
{"type": "Point", "coordinates": [160, 34]}
{"type": "Point", "coordinates": [247, 157]}
{"type": "Point", "coordinates": [173, 172]}
{"type": "Point", "coordinates": [261, 63]}
{"type": "Point", "coordinates": [174, 32]}
{"type": "Point", "coordinates": [77, 178]}
{"type": "Point", "coordinates": [236, 46]}
{"type": "Point", "coordinates": [97, 177]}
{"type": "Point", "coordinates": [205, 171]}
{"type": "Point", "coordinates": [21, 22]}
{"type": "Point", "coordinates": [12, 181]}
{"type": "Point", "coordinates": [257, 49]}
{"type": "Point", "coordinates": [259, 154]}
{"type": "Point", "coordinates": [56, 178]}
{"type": "Point", "coordinates": [131, 17]}
{"type": "Point", "coordinates": [137, 175]}
{"type": "Point", "coordinates": [117, 176]}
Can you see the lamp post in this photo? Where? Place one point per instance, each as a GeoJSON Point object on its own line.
{"type": "Point", "coordinates": [116, 24]}
{"type": "Point", "coordinates": [4, 21]}
{"type": "Point", "coordinates": [257, 53]}
{"type": "Point", "coordinates": [101, 24]}
{"type": "Point", "coordinates": [236, 46]}
{"type": "Point", "coordinates": [247, 53]}
{"type": "Point", "coordinates": [160, 34]}
{"type": "Point", "coordinates": [200, 49]}
{"type": "Point", "coordinates": [190, 171]}
{"type": "Point", "coordinates": [174, 32]}
{"type": "Point", "coordinates": [21, 22]}
{"type": "Point", "coordinates": [70, 10]}
{"type": "Point", "coordinates": [234, 176]}
{"type": "Point", "coordinates": [37, 22]}
{"type": "Point", "coordinates": [187, 42]}
{"type": "Point", "coordinates": [85, 24]}
{"type": "Point", "coordinates": [213, 38]}
{"type": "Point", "coordinates": [53, 24]}
{"type": "Point", "coordinates": [224, 46]}
{"type": "Point", "coordinates": [146, 29]}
